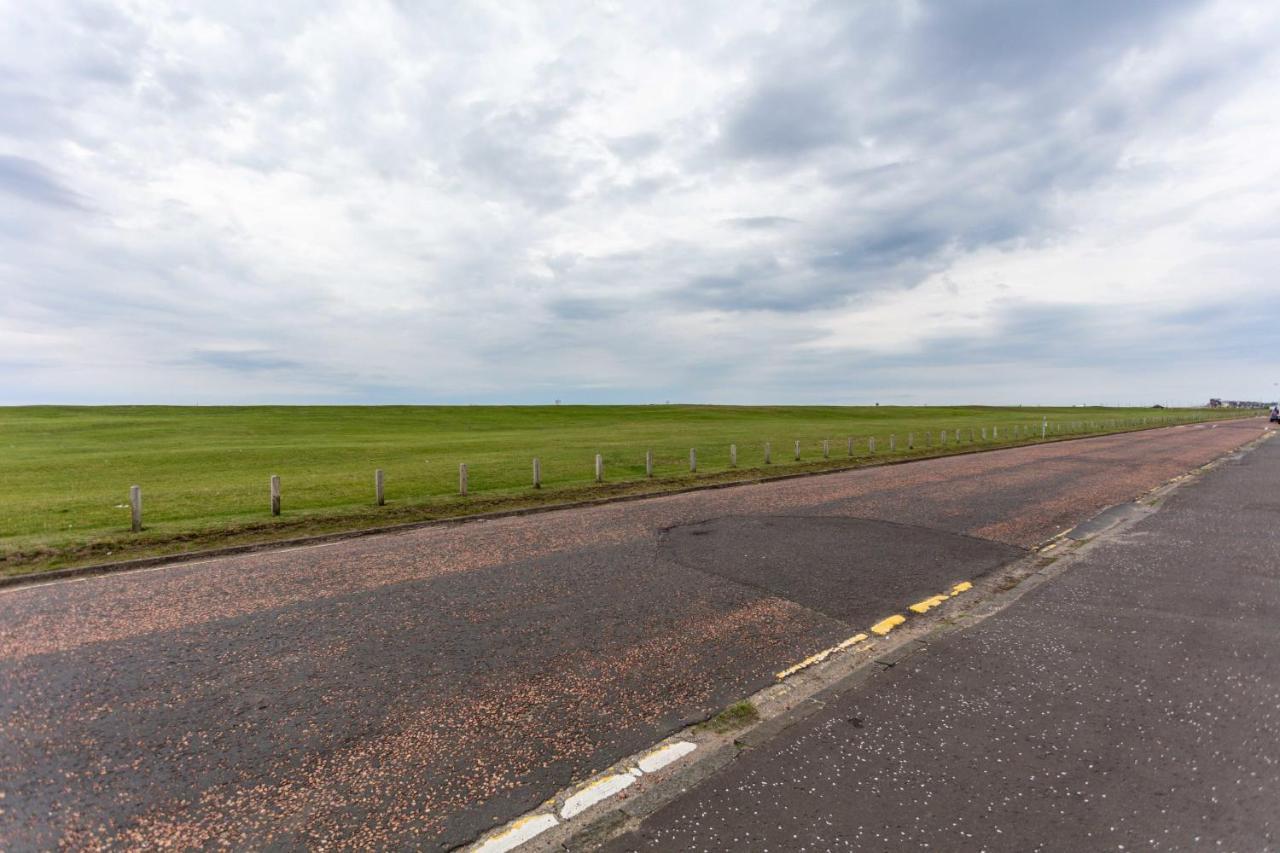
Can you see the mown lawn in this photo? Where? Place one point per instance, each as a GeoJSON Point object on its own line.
{"type": "Point", "coordinates": [65, 472]}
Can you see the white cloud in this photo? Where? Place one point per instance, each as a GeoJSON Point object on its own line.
{"type": "Point", "coordinates": [733, 202]}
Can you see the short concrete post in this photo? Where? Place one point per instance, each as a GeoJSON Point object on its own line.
{"type": "Point", "coordinates": [826, 448]}
{"type": "Point", "coordinates": [984, 433]}
{"type": "Point", "coordinates": [768, 453]}
{"type": "Point", "coordinates": [377, 487]}
{"type": "Point", "coordinates": [537, 473]}
{"type": "Point", "coordinates": [462, 478]}
{"type": "Point", "coordinates": [599, 468]}
{"type": "Point", "coordinates": [871, 445]}
{"type": "Point", "coordinates": [1044, 427]}
{"type": "Point", "coordinates": [648, 463]}
{"type": "Point", "coordinates": [942, 438]}
{"type": "Point", "coordinates": [893, 443]}
{"type": "Point", "coordinates": [957, 436]}
{"type": "Point", "coordinates": [693, 460]}
{"type": "Point", "coordinates": [850, 445]}
{"type": "Point", "coordinates": [135, 508]}
{"type": "Point", "coordinates": [275, 495]}
{"type": "Point", "coordinates": [797, 451]}
{"type": "Point", "coordinates": [733, 456]}
{"type": "Point", "coordinates": [995, 433]}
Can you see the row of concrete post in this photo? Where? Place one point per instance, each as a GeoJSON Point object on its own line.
{"type": "Point", "coordinates": [1017, 432]}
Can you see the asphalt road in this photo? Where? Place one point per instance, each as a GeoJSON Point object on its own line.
{"type": "Point", "coordinates": [415, 689]}
{"type": "Point", "coordinates": [1132, 703]}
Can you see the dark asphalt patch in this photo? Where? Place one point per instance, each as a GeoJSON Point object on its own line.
{"type": "Point", "coordinates": [852, 569]}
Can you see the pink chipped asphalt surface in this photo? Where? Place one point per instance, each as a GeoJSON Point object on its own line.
{"type": "Point", "coordinates": [415, 689]}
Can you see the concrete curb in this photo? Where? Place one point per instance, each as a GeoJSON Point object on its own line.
{"type": "Point", "coordinates": [39, 578]}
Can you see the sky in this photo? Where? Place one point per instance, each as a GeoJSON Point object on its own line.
{"type": "Point", "coordinates": [960, 201]}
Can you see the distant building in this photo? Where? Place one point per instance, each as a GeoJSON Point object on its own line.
{"type": "Point", "coordinates": [1218, 403]}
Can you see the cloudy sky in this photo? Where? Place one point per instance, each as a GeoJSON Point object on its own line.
{"type": "Point", "coordinates": [739, 202]}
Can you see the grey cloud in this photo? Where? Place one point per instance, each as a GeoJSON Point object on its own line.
{"type": "Point", "coordinates": [786, 120]}
{"type": "Point", "coordinates": [580, 308]}
{"type": "Point", "coordinates": [31, 181]}
{"type": "Point", "coordinates": [635, 145]}
{"type": "Point", "coordinates": [761, 223]}
{"type": "Point", "coordinates": [244, 362]}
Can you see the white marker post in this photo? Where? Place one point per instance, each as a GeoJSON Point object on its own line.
{"type": "Point", "coordinates": [871, 446]}
{"type": "Point", "coordinates": [693, 460]}
{"type": "Point", "coordinates": [797, 451]}
{"type": "Point", "coordinates": [733, 456]}
{"type": "Point", "coordinates": [648, 463]}
{"type": "Point", "coordinates": [377, 487]}
{"type": "Point", "coordinates": [893, 443]}
{"type": "Point", "coordinates": [462, 478]}
{"type": "Point", "coordinates": [135, 508]}
{"type": "Point", "coordinates": [599, 468]}
{"type": "Point", "coordinates": [1044, 428]}
{"type": "Point", "coordinates": [537, 473]}
{"type": "Point", "coordinates": [275, 495]}
{"type": "Point", "coordinates": [826, 448]}
{"type": "Point", "coordinates": [850, 445]}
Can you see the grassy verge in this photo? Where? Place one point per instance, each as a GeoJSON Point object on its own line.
{"type": "Point", "coordinates": [736, 716]}
{"type": "Point", "coordinates": [65, 471]}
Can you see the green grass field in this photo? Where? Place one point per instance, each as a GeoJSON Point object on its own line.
{"type": "Point", "coordinates": [66, 471]}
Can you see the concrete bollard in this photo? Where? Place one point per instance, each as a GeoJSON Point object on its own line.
{"type": "Point", "coordinates": [995, 433]}
{"type": "Point", "coordinates": [1044, 427]}
{"type": "Point", "coordinates": [850, 445]}
{"type": "Point", "coordinates": [275, 495]}
{"type": "Point", "coordinates": [942, 438]}
{"type": "Point", "coordinates": [733, 456]}
{"type": "Point", "coordinates": [893, 443]}
{"type": "Point", "coordinates": [826, 448]}
{"type": "Point", "coordinates": [135, 508]}
{"type": "Point", "coordinates": [693, 460]}
{"type": "Point", "coordinates": [462, 478]}
{"type": "Point", "coordinates": [768, 453]}
{"type": "Point", "coordinates": [871, 445]}
{"type": "Point", "coordinates": [599, 468]}
{"type": "Point", "coordinates": [797, 451]}
{"type": "Point", "coordinates": [984, 433]}
{"type": "Point", "coordinates": [377, 487]}
{"type": "Point", "coordinates": [537, 473]}
{"type": "Point", "coordinates": [648, 463]}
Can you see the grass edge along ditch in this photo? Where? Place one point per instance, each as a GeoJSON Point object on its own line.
{"type": "Point", "coordinates": [66, 471]}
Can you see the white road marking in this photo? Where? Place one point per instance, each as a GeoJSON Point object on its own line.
{"type": "Point", "coordinates": [516, 834]}
{"type": "Point", "coordinates": [660, 758]}
{"type": "Point", "coordinates": [601, 789]}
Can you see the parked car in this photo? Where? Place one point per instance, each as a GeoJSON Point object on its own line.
{"type": "Point", "coordinates": [1275, 414]}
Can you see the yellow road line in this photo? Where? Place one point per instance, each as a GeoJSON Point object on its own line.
{"type": "Point", "coordinates": [928, 604]}
{"type": "Point", "coordinates": [884, 626]}
{"type": "Point", "coordinates": [821, 656]}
